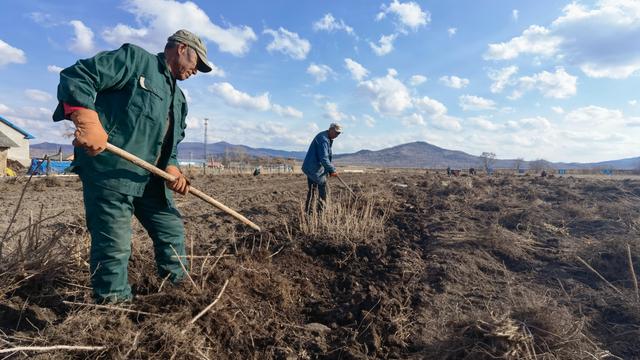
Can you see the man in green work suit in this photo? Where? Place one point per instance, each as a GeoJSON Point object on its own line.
{"type": "Point", "coordinates": [129, 98]}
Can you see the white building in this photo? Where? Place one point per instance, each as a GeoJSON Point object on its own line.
{"type": "Point", "coordinates": [20, 152]}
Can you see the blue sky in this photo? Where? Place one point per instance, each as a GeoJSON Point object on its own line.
{"type": "Point", "coordinates": [557, 80]}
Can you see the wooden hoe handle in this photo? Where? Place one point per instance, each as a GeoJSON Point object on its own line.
{"type": "Point", "coordinates": [165, 175]}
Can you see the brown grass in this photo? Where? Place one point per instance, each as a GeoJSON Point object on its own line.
{"type": "Point", "coordinates": [346, 219]}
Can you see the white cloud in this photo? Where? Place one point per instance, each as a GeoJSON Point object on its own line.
{"type": "Point", "coordinates": [452, 31]}
{"type": "Point", "coordinates": [446, 122]}
{"type": "Point", "coordinates": [38, 95]}
{"type": "Point", "coordinates": [288, 43]}
{"type": "Point", "coordinates": [558, 85]}
{"type": "Point", "coordinates": [158, 19]}
{"type": "Point", "coordinates": [454, 82]}
{"type": "Point", "coordinates": [330, 24]}
{"type": "Point", "coordinates": [484, 123]}
{"type": "Point", "coordinates": [369, 121]}
{"type": "Point", "coordinates": [215, 71]}
{"type": "Point", "coordinates": [389, 95]}
{"type": "Point", "coordinates": [534, 123]}
{"type": "Point", "coordinates": [600, 39]}
{"type": "Point", "coordinates": [595, 115]}
{"type": "Point", "coordinates": [125, 34]}
{"type": "Point", "coordinates": [430, 106]}
{"type": "Point", "coordinates": [416, 80]}
{"type": "Point", "coordinates": [410, 14]}
{"type": "Point", "coordinates": [41, 18]}
{"type": "Point", "coordinates": [472, 102]}
{"type": "Point", "coordinates": [414, 119]}
{"type": "Point", "coordinates": [331, 112]}
{"type": "Point", "coordinates": [314, 127]}
{"type": "Point", "coordinates": [82, 43]}
{"type": "Point", "coordinates": [385, 44]}
{"type": "Point", "coordinates": [437, 114]}
{"type": "Point", "coordinates": [258, 134]}
{"type": "Point", "coordinates": [633, 102]}
{"type": "Point", "coordinates": [239, 99]}
{"type": "Point", "coordinates": [10, 54]}
{"type": "Point", "coordinates": [536, 40]}
{"type": "Point", "coordinates": [515, 14]}
{"type": "Point", "coordinates": [557, 109]}
{"type": "Point", "coordinates": [358, 72]}
{"type": "Point", "coordinates": [501, 78]}
{"type": "Point", "coordinates": [319, 72]}
{"type": "Point", "coordinates": [287, 111]}
{"type": "Point", "coordinates": [4, 109]}
{"type": "Point", "coordinates": [54, 69]}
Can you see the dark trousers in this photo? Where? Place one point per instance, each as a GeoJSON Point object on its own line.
{"type": "Point", "coordinates": [109, 216]}
{"type": "Point", "coordinates": [321, 187]}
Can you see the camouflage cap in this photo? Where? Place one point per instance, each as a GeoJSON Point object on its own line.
{"type": "Point", "coordinates": [193, 41]}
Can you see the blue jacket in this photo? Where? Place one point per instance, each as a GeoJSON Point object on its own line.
{"type": "Point", "coordinates": [317, 163]}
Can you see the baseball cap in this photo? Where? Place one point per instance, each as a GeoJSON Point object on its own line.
{"type": "Point", "coordinates": [335, 126]}
{"type": "Point", "coordinates": [192, 40]}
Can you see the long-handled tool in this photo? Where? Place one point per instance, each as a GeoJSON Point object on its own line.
{"type": "Point", "coordinates": [345, 185]}
{"type": "Point", "coordinates": [165, 175]}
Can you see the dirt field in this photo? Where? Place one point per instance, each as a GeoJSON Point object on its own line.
{"type": "Point", "coordinates": [418, 267]}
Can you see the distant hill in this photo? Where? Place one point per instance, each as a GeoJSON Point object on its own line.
{"type": "Point", "coordinates": [196, 150]}
{"type": "Point", "coordinates": [411, 155]}
{"type": "Point", "coordinates": [45, 148]}
{"type": "Point", "coordinates": [424, 155]}
{"type": "Point", "coordinates": [416, 155]}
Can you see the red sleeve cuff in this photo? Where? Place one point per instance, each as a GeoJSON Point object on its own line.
{"type": "Point", "coordinates": [68, 109]}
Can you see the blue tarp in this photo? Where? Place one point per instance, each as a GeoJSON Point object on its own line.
{"type": "Point", "coordinates": [39, 167]}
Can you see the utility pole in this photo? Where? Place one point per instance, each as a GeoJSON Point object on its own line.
{"type": "Point", "coordinates": [204, 166]}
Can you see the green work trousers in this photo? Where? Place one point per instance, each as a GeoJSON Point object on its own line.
{"type": "Point", "coordinates": [109, 215]}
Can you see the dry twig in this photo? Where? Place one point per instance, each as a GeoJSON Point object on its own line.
{"type": "Point", "coordinates": [633, 273]}
{"type": "Point", "coordinates": [598, 274]}
{"type": "Point", "coordinates": [51, 348]}
{"type": "Point", "coordinates": [185, 269]}
{"type": "Point", "coordinates": [110, 307]}
{"type": "Point", "coordinates": [201, 313]}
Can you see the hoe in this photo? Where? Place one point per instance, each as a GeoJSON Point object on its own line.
{"type": "Point", "coordinates": [163, 174]}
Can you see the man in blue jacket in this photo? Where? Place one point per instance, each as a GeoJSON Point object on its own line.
{"type": "Point", "coordinates": [317, 164]}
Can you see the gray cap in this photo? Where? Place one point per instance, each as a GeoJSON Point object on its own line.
{"type": "Point", "coordinates": [335, 126]}
{"type": "Point", "coordinates": [193, 41]}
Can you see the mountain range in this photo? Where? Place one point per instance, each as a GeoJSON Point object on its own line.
{"type": "Point", "coordinates": [411, 155]}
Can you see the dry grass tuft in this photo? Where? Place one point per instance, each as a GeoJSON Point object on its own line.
{"type": "Point", "coordinates": [346, 219]}
{"type": "Point", "coordinates": [533, 328]}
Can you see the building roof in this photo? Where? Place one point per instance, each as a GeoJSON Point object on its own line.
{"type": "Point", "coordinates": [5, 142]}
{"type": "Point", "coordinates": [16, 128]}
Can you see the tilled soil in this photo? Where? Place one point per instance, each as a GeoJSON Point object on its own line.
{"type": "Point", "coordinates": [450, 268]}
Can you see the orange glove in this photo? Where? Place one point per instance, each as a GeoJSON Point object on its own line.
{"type": "Point", "coordinates": [181, 184]}
{"type": "Point", "coordinates": [333, 174]}
{"type": "Point", "coordinates": [89, 133]}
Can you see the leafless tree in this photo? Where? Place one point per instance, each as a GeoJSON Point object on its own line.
{"type": "Point", "coordinates": [538, 165]}
{"type": "Point", "coordinates": [518, 164]}
{"type": "Point", "coordinates": [488, 159]}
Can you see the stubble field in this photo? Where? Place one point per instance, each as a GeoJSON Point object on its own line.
{"type": "Point", "coordinates": [417, 266]}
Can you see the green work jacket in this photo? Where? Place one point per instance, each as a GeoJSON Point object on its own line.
{"type": "Point", "coordinates": [132, 91]}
